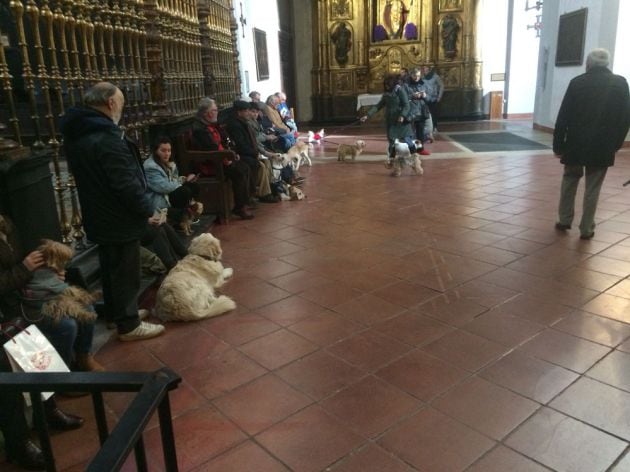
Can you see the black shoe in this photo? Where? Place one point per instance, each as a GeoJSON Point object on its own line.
{"type": "Point", "coordinates": [587, 236]}
{"type": "Point", "coordinates": [27, 455]}
{"type": "Point", "coordinates": [561, 227]}
{"type": "Point", "coordinates": [62, 421]}
{"type": "Point", "coordinates": [243, 214]}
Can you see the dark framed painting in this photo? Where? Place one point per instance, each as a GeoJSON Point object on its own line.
{"type": "Point", "coordinates": [571, 35]}
{"type": "Point", "coordinates": [262, 57]}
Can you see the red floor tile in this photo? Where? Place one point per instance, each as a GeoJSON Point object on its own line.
{"type": "Point", "coordinates": [310, 440]}
{"type": "Point", "coordinates": [259, 404]}
{"type": "Point", "coordinates": [370, 406]}
{"type": "Point", "coordinates": [502, 459]}
{"type": "Point", "coordinates": [491, 410]}
{"type": "Point", "coordinates": [246, 456]}
{"type": "Point", "coordinates": [278, 348]}
{"type": "Point", "coordinates": [419, 438]}
{"type": "Point", "coordinates": [562, 443]}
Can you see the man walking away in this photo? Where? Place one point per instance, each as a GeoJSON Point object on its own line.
{"type": "Point", "coordinates": [592, 124]}
{"type": "Point", "coordinates": [115, 207]}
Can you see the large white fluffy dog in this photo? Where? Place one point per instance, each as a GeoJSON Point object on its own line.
{"type": "Point", "coordinates": [187, 292]}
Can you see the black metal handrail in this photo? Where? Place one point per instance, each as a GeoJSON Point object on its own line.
{"type": "Point", "coordinates": [152, 388]}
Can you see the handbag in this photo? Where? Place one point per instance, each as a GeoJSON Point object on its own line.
{"type": "Point", "coordinates": [30, 351]}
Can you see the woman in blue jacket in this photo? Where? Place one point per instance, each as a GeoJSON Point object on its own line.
{"type": "Point", "coordinates": [166, 189]}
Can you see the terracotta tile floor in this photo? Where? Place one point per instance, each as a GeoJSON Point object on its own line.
{"type": "Point", "coordinates": [434, 323]}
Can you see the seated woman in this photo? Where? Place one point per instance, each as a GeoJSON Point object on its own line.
{"type": "Point", "coordinates": [15, 273]}
{"type": "Point", "coordinates": [166, 188]}
{"type": "Point", "coordinates": [64, 314]}
{"type": "Point", "coordinates": [161, 238]}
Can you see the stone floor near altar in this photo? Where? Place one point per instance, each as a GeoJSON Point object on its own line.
{"type": "Point", "coordinates": [434, 323]}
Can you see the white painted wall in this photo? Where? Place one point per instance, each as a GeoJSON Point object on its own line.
{"type": "Point", "coordinates": [492, 35]}
{"type": "Point", "coordinates": [263, 15]}
{"type": "Point", "coordinates": [524, 60]}
{"type": "Point", "coordinates": [621, 64]}
{"type": "Point", "coordinates": [601, 31]}
{"type": "Point", "coordinates": [492, 29]}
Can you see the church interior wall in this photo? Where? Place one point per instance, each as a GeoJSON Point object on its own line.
{"type": "Point", "coordinates": [601, 31]}
{"type": "Point", "coordinates": [303, 17]}
{"type": "Point", "coordinates": [524, 60]}
{"type": "Point", "coordinates": [262, 15]}
{"type": "Point", "coordinates": [621, 65]}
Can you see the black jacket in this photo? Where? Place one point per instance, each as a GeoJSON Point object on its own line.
{"type": "Point", "coordinates": [243, 137]}
{"type": "Point", "coordinates": [109, 176]}
{"type": "Point", "coordinates": [593, 119]}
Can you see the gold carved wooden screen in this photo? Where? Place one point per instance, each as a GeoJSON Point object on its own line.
{"type": "Point", "coordinates": [163, 54]}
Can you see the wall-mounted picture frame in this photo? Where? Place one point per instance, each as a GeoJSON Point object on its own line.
{"type": "Point", "coordinates": [571, 36]}
{"type": "Point", "coordinates": [450, 5]}
{"type": "Point", "coordinates": [262, 56]}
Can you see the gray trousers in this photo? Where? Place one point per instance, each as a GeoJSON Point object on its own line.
{"type": "Point", "coordinates": [570, 180]}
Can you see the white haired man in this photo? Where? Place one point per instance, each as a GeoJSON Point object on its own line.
{"type": "Point", "coordinates": [592, 124]}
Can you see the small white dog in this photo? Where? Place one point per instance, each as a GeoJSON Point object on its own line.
{"type": "Point", "coordinates": [316, 137]}
{"type": "Point", "coordinates": [187, 292]}
{"type": "Point", "coordinates": [298, 154]}
{"type": "Point", "coordinates": [352, 150]}
{"type": "Point", "coordinates": [404, 157]}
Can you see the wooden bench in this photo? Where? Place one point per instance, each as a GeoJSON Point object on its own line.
{"type": "Point", "coordinates": [215, 188]}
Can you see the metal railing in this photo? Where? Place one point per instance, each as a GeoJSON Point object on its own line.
{"type": "Point", "coordinates": [152, 388]}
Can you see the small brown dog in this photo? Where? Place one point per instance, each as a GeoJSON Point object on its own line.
{"type": "Point", "coordinates": [191, 214]}
{"type": "Point", "coordinates": [298, 155]}
{"type": "Point", "coordinates": [352, 150]}
{"type": "Point", "coordinates": [48, 289]}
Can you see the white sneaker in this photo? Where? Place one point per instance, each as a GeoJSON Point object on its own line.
{"type": "Point", "coordinates": [143, 331]}
{"type": "Point", "coordinates": [142, 314]}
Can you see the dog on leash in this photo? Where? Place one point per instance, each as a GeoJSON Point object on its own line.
{"type": "Point", "coordinates": [350, 150]}
{"type": "Point", "coordinates": [188, 291]}
{"type": "Point", "coordinates": [49, 294]}
{"type": "Point", "coordinates": [404, 157]}
{"type": "Point", "coordinates": [298, 154]}
{"type": "Point", "coordinates": [316, 137]}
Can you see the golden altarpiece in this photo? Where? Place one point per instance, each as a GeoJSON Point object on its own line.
{"type": "Point", "coordinates": [358, 42]}
{"type": "Point", "coordinates": [163, 54]}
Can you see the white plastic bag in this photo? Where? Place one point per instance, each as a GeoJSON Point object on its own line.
{"type": "Point", "coordinates": [30, 351]}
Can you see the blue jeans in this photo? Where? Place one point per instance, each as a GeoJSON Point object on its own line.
{"type": "Point", "coordinates": [68, 336]}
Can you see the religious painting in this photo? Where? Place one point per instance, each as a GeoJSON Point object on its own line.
{"type": "Point", "coordinates": [341, 9]}
{"type": "Point", "coordinates": [571, 33]}
{"type": "Point", "coordinates": [450, 5]}
{"type": "Point", "coordinates": [262, 57]}
{"type": "Point", "coordinates": [395, 20]}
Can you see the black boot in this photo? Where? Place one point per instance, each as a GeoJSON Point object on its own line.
{"type": "Point", "coordinates": [27, 455]}
{"type": "Point", "coordinates": [58, 419]}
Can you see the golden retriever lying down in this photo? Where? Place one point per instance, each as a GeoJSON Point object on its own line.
{"type": "Point", "coordinates": [187, 293]}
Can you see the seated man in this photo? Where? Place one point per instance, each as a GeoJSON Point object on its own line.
{"type": "Point", "coordinates": [279, 126]}
{"type": "Point", "coordinates": [209, 136]}
{"type": "Point", "coordinates": [246, 145]}
{"type": "Point", "coordinates": [285, 112]}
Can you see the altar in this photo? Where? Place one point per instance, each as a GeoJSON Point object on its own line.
{"type": "Point", "coordinates": [368, 99]}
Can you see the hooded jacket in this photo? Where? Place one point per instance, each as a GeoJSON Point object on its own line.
{"type": "Point", "coordinates": [109, 176]}
{"type": "Point", "coordinates": [593, 119]}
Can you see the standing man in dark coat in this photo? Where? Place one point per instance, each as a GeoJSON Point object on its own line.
{"type": "Point", "coordinates": [592, 124]}
{"type": "Point", "coordinates": [114, 204]}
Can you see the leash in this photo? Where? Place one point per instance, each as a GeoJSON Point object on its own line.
{"type": "Point", "coordinates": [338, 130]}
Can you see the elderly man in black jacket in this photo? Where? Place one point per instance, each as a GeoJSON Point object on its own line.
{"type": "Point", "coordinates": [246, 145]}
{"type": "Point", "coordinates": [591, 126]}
{"type": "Point", "coordinates": [115, 208]}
